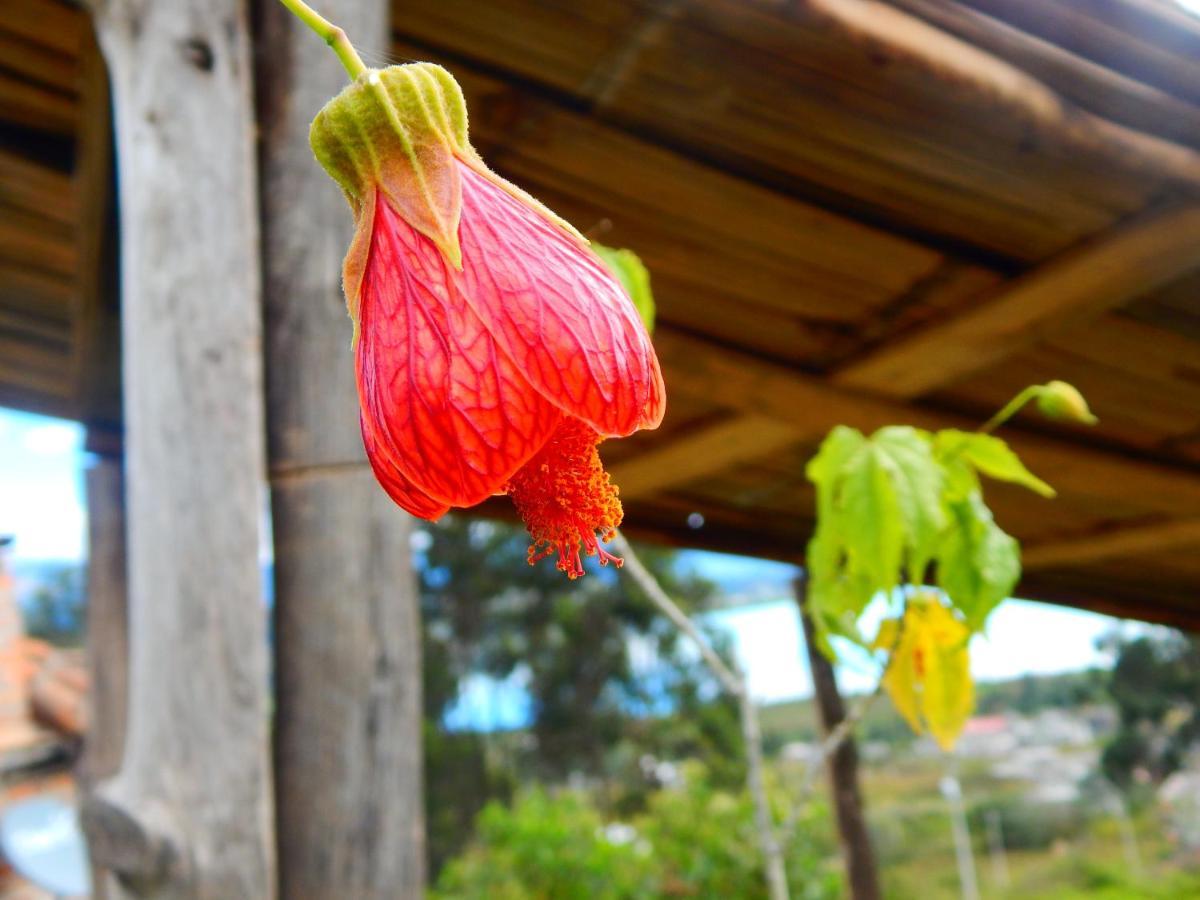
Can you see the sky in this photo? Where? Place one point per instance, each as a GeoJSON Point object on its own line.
{"type": "Point", "coordinates": [41, 505]}
{"type": "Point", "coordinates": [41, 486]}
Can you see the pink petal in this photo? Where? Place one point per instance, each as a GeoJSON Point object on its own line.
{"type": "Point", "coordinates": [406, 494]}
{"type": "Point", "coordinates": [452, 414]}
{"type": "Point", "coordinates": [557, 310]}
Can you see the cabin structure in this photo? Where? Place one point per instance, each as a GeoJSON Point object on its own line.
{"type": "Point", "coordinates": [853, 212]}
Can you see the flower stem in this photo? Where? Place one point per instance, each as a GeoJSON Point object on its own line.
{"type": "Point", "coordinates": [1010, 409]}
{"type": "Point", "coordinates": [330, 33]}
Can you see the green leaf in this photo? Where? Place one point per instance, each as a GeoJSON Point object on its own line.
{"type": "Point", "coordinates": [991, 456]}
{"type": "Point", "coordinates": [907, 455]}
{"type": "Point", "coordinates": [634, 277]}
{"type": "Point", "coordinates": [838, 592]}
{"type": "Point", "coordinates": [825, 469]}
{"type": "Point", "coordinates": [836, 596]}
{"type": "Point", "coordinates": [978, 564]}
{"type": "Point", "coordinates": [872, 523]}
{"type": "Point", "coordinates": [959, 479]}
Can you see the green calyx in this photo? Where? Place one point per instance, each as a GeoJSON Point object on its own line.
{"type": "Point", "coordinates": [398, 131]}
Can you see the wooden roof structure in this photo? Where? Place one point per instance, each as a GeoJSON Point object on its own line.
{"type": "Point", "coordinates": [854, 212]}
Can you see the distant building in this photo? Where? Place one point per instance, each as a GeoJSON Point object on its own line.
{"type": "Point", "coordinates": [43, 692]}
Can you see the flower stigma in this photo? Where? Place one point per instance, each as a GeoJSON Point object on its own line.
{"type": "Point", "coordinates": [566, 499]}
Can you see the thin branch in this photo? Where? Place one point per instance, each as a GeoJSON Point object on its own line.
{"type": "Point", "coordinates": [825, 750]}
{"type": "Point", "coordinates": [838, 735]}
{"type": "Point", "coordinates": [735, 684]}
{"type": "Point", "coordinates": [731, 680]}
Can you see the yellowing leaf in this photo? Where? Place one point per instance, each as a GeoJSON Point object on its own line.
{"type": "Point", "coordinates": [929, 676]}
{"type": "Point", "coordinates": [948, 695]}
{"type": "Point", "coordinates": [900, 679]}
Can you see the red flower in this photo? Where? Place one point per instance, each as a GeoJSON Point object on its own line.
{"type": "Point", "coordinates": [494, 350]}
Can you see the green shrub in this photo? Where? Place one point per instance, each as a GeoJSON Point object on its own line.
{"type": "Point", "coordinates": [545, 847]}
{"type": "Point", "coordinates": [696, 840]}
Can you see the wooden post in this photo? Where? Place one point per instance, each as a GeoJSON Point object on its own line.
{"type": "Point", "coordinates": [349, 804]}
{"type": "Point", "coordinates": [857, 853]}
{"type": "Point", "coordinates": [189, 813]}
{"type": "Point", "coordinates": [107, 633]}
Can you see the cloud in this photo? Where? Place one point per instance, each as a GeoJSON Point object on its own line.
{"type": "Point", "coordinates": [48, 521]}
{"type": "Point", "coordinates": [52, 439]}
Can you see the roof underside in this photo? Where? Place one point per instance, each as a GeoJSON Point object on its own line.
{"type": "Point", "coordinates": [853, 212]}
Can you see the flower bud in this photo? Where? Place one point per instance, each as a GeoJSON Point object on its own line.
{"type": "Point", "coordinates": [1062, 401]}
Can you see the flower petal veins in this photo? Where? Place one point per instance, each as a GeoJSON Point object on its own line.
{"type": "Point", "coordinates": [451, 410]}
{"type": "Point", "coordinates": [553, 306]}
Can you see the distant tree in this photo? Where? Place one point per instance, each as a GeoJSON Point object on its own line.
{"type": "Point", "coordinates": [1031, 693]}
{"type": "Point", "coordinates": [56, 610]}
{"type": "Point", "coordinates": [608, 679]}
{"type": "Point", "coordinates": [1155, 685]}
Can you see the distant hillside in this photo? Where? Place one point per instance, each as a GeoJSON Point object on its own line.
{"type": "Point", "coordinates": [795, 720]}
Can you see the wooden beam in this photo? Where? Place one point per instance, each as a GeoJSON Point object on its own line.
{"type": "Point", "coordinates": [27, 185]}
{"type": "Point", "coordinates": [961, 66]}
{"type": "Point", "coordinates": [95, 313]}
{"type": "Point", "coordinates": [347, 729]}
{"type": "Point", "coordinates": [902, 123]}
{"type": "Point", "coordinates": [1168, 605]}
{"type": "Point", "coordinates": [700, 452]}
{"type": "Point", "coordinates": [1175, 607]}
{"type": "Point", "coordinates": [1095, 87]}
{"type": "Point", "coordinates": [1156, 43]}
{"type": "Point", "coordinates": [1130, 540]}
{"type": "Point", "coordinates": [36, 106]}
{"type": "Point", "coordinates": [759, 388]}
{"type": "Point", "coordinates": [107, 633]}
{"type": "Point", "coordinates": [189, 814]}
{"type": "Point", "coordinates": [1109, 271]}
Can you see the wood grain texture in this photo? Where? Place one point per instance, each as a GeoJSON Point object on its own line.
{"type": "Point", "coordinates": [1104, 273]}
{"type": "Point", "coordinates": [885, 117]}
{"type": "Point", "coordinates": [1106, 92]}
{"type": "Point", "coordinates": [348, 739]}
{"type": "Point", "coordinates": [1157, 43]}
{"type": "Point", "coordinates": [189, 814]}
{"type": "Point", "coordinates": [349, 805]}
{"type": "Point", "coordinates": [739, 381]}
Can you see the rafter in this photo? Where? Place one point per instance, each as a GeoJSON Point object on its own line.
{"type": "Point", "coordinates": [1107, 272]}
{"type": "Point", "coordinates": [759, 389]}
{"type": "Point", "coordinates": [1131, 540]}
{"type": "Point", "coordinates": [701, 451]}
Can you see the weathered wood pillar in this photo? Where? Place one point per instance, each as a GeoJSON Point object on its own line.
{"type": "Point", "coordinates": [862, 876]}
{"type": "Point", "coordinates": [98, 392]}
{"type": "Point", "coordinates": [189, 813]}
{"type": "Point", "coordinates": [347, 631]}
{"type": "Point", "coordinates": [107, 633]}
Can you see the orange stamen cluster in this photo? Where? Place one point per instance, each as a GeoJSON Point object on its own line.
{"type": "Point", "coordinates": [566, 499]}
